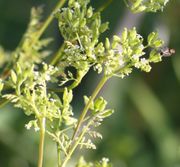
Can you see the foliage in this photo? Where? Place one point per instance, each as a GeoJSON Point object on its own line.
{"type": "Point", "coordinates": [146, 5]}
{"type": "Point", "coordinates": [30, 81]}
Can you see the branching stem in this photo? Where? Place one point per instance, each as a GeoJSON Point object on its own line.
{"type": "Point", "coordinates": [77, 142]}
{"type": "Point", "coordinates": [86, 108]}
{"type": "Point", "coordinates": [81, 119]}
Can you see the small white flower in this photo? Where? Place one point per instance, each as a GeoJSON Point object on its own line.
{"type": "Point", "coordinates": [51, 67]}
{"type": "Point", "coordinates": [144, 61]}
{"type": "Point", "coordinates": [36, 129]}
{"type": "Point", "coordinates": [137, 64]}
{"type": "Point", "coordinates": [48, 78]}
{"type": "Point", "coordinates": [52, 100]}
{"type": "Point", "coordinates": [56, 69]}
{"type": "Point", "coordinates": [98, 67]}
{"type": "Point", "coordinates": [122, 76]}
{"type": "Point", "coordinates": [105, 160]}
{"type": "Point", "coordinates": [28, 126]}
{"type": "Point", "coordinates": [121, 62]}
{"type": "Point", "coordinates": [141, 46]}
{"type": "Point", "coordinates": [136, 57]}
{"type": "Point", "coordinates": [76, 5]}
{"type": "Point", "coordinates": [36, 73]}
{"type": "Point", "coordinates": [139, 36]}
{"type": "Point", "coordinates": [165, 2]}
{"type": "Point", "coordinates": [93, 56]}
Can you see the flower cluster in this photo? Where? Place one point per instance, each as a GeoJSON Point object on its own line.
{"type": "Point", "coordinates": [81, 28]}
{"type": "Point", "coordinates": [128, 51]}
{"type": "Point", "coordinates": [32, 96]}
{"type": "Point", "coordinates": [30, 49]}
{"type": "Point", "coordinates": [146, 5]}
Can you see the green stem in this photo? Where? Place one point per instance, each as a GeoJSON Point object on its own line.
{"type": "Point", "coordinates": [49, 19]}
{"type": "Point", "coordinates": [86, 108]}
{"type": "Point", "coordinates": [76, 143]}
{"type": "Point", "coordinates": [3, 102]}
{"type": "Point", "coordinates": [57, 56]}
{"type": "Point", "coordinates": [73, 148]}
{"type": "Point", "coordinates": [104, 6]}
{"type": "Point", "coordinates": [126, 3]}
{"type": "Point", "coordinates": [59, 155]}
{"type": "Point", "coordinates": [42, 122]}
{"type": "Point", "coordinates": [81, 119]}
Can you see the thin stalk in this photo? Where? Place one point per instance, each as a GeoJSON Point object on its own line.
{"type": "Point", "coordinates": [86, 108]}
{"type": "Point", "coordinates": [49, 19]}
{"type": "Point", "coordinates": [126, 3]}
{"type": "Point", "coordinates": [59, 155]}
{"type": "Point", "coordinates": [76, 144]}
{"type": "Point", "coordinates": [3, 102]}
{"type": "Point", "coordinates": [71, 151]}
{"type": "Point", "coordinates": [81, 120]}
{"type": "Point", "coordinates": [57, 56]}
{"type": "Point", "coordinates": [104, 6]}
{"type": "Point", "coordinates": [41, 141]}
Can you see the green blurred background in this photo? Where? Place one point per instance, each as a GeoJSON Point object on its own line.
{"type": "Point", "coordinates": [145, 129]}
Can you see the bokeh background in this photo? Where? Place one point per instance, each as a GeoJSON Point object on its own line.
{"type": "Point", "coordinates": [145, 129]}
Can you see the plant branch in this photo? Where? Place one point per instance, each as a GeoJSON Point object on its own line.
{"type": "Point", "coordinates": [42, 122]}
{"type": "Point", "coordinates": [57, 55]}
{"type": "Point", "coordinates": [49, 19]}
{"type": "Point", "coordinates": [76, 143]}
{"type": "Point", "coordinates": [86, 108]}
{"type": "Point", "coordinates": [3, 102]}
{"type": "Point", "coordinates": [44, 26]}
{"type": "Point", "coordinates": [104, 6]}
{"type": "Point", "coordinates": [58, 154]}
{"type": "Point", "coordinates": [126, 3]}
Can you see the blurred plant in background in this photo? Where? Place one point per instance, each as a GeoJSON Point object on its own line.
{"type": "Point", "coordinates": [147, 137]}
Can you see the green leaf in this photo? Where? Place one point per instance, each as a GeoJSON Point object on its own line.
{"type": "Point", "coordinates": [116, 38]}
{"type": "Point", "coordinates": [100, 104]}
{"type": "Point", "coordinates": [104, 27]}
{"type": "Point", "coordinates": [89, 12]}
{"type": "Point", "coordinates": [107, 44]}
{"type": "Point", "coordinates": [158, 43]}
{"type": "Point", "coordinates": [124, 35]}
{"type": "Point", "coordinates": [106, 113]}
{"type": "Point", "coordinates": [18, 69]}
{"type": "Point", "coordinates": [154, 41]}
{"type": "Point", "coordinates": [152, 37]}
{"type": "Point", "coordinates": [13, 77]}
{"type": "Point", "coordinates": [133, 34]}
{"type": "Point", "coordinates": [67, 96]}
{"type": "Point", "coordinates": [69, 14]}
{"type": "Point", "coordinates": [136, 4]}
{"type": "Point", "coordinates": [155, 56]}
